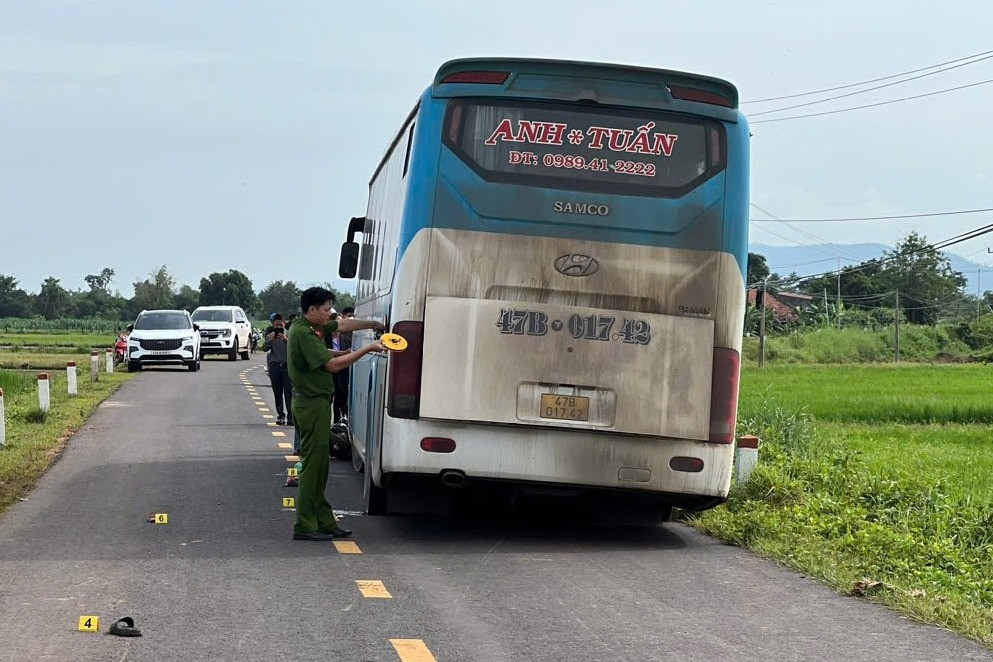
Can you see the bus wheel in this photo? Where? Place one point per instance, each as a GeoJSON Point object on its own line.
{"type": "Point", "coordinates": [357, 462]}
{"type": "Point", "coordinates": [373, 498]}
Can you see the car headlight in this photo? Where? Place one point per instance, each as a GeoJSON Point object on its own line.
{"type": "Point", "coordinates": [226, 332]}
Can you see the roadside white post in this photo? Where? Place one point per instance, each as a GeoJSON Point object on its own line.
{"type": "Point", "coordinates": [94, 366]}
{"type": "Point", "coordinates": [3, 422]}
{"type": "Point", "coordinates": [44, 392]}
{"type": "Point", "coordinates": [71, 377]}
{"type": "Point", "coordinates": [746, 455]}
{"type": "Point", "coordinates": [109, 354]}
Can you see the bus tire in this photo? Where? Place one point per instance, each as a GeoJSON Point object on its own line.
{"type": "Point", "coordinates": [373, 497]}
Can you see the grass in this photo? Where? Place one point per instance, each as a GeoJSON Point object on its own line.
{"type": "Point", "coordinates": [833, 345]}
{"type": "Point", "coordinates": [33, 446]}
{"type": "Point", "coordinates": [15, 382]}
{"type": "Point", "coordinates": [876, 480]}
{"type": "Point", "coordinates": [81, 342]}
{"type": "Point", "coordinates": [51, 360]}
{"type": "Point", "coordinates": [904, 393]}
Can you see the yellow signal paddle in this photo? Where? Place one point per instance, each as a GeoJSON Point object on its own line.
{"type": "Point", "coordinates": [393, 342]}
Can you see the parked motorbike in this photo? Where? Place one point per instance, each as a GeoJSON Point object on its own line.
{"type": "Point", "coordinates": [255, 336]}
{"type": "Point", "coordinates": [121, 346]}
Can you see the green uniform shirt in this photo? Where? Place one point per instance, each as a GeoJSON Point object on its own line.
{"type": "Point", "coordinates": [306, 356]}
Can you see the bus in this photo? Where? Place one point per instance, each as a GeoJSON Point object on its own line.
{"type": "Point", "coordinates": [564, 247]}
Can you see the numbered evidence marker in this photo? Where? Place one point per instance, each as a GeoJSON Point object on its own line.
{"type": "Point", "coordinates": [289, 502]}
{"type": "Point", "coordinates": [89, 623]}
{"type": "Point", "coordinates": [161, 518]}
{"type": "Point", "coordinates": [292, 471]}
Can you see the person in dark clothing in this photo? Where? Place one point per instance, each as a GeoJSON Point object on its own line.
{"type": "Point", "coordinates": [342, 379]}
{"type": "Point", "coordinates": [279, 376]}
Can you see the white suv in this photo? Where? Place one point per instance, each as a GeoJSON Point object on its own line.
{"type": "Point", "coordinates": [164, 337]}
{"type": "Point", "coordinates": [224, 330]}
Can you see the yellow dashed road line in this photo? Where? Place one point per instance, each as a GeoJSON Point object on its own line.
{"type": "Point", "coordinates": [412, 650]}
{"type": "Point", "coordinates": [292, 458]}
{"type": "Point", "coordinates": [372, 588]}
{"type": "Point", "coordinates": [347, 547]}
{"type": "Point", "coordinates": [285, 445]}
{"type": "Point", "coordinates": [278, 433]}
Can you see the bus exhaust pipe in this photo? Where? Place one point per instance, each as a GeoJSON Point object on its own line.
{"type": "Point", "coordinates": [454, 478]}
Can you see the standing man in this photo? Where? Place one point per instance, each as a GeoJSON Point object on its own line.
{"type": "Point", "coordinates": [311, 368]}
{"type": "Point", "coordinates": [279, 376]}
{"type": "Point", "coordinates": [342, 379]}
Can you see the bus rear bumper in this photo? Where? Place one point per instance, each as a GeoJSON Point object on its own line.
{"type": "Point", "coordinates": [563, 458]}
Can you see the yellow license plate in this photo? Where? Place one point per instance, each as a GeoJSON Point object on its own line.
{"type": "Point", "coordinates": [565, 407]}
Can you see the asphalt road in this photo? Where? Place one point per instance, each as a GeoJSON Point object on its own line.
{"type": "Point", "coordinates": [223, 580]}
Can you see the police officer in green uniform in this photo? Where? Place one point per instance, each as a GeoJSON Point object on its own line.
{"type": "Point", "coordinates": [311, 365]}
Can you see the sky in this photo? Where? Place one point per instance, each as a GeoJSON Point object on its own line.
{"type": "Point", "coordinates": [207, 135]}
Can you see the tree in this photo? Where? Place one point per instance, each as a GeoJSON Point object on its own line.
{"type": "Point", "coordinates": [153, 293]}
{"type": "Point", "coordinates": [280, 297]}
{"type": "Point", "coordinates": [14, 302]}
{"type": "Point", "coordinates": [187, 298]}
{"type": "Point", "coordinates": [228, 289]}
{"type": "Point", "coordinates": [100, 282]}
{"type": "Point", "coordinates": [341, 299]}
{"type": "Point", "coordinates": [52, 301]}
{"type": "Point", "coordinates": [923, 276]}
{"type": "Point", "coordinates": [758, 269]}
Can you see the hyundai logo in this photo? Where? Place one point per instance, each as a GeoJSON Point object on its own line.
{"type": "Point", "coordinates": [576, 264]}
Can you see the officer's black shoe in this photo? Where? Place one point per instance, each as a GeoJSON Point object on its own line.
{"type": "Point", "coordinates": [317, 536]}
{"type": "Point", "coordinates": [338, 532]}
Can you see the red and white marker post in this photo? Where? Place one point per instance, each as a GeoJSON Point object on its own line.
{"type": "Point", "coordinates": [72, 386]}
{"type": "Point", "coordinates": [44, 392]}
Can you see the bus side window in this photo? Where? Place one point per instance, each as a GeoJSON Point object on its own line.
{"type": "Point", "coordinates": [366, 257]}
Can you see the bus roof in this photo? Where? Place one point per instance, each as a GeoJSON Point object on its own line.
{"type": "Point", "coordinates": [614, 84]}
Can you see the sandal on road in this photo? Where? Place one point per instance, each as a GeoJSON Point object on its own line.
{"type": "Point", "coordinates": [124, 627]}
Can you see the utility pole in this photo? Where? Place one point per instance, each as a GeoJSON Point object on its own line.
{"type": "Point", "coordinates": [826, 311]}
{"type": "Point", "coordinates": [839, 283]}
{"type": "Point", "coordinates": [896, 318]}
{"type": "Point", "coordinates": [979, 297]}
{"type": "Point", "coordinates": [762, 325]}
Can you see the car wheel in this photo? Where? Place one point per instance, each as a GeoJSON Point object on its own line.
{"type": "Point", "coordinates": [133, 366]}
{"type": "Point", "coordinates": [233, 354]}
{"type": "Point", "coordinates": [194, 365]}
{"type": "Point", "coordinates": [245, 353]}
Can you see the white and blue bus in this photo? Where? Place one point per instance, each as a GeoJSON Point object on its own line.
{"type": "Point", "coordinates": [564, 246]}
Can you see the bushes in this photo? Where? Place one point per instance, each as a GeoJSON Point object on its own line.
{"type": "Point", "coordinates": [828, 344]}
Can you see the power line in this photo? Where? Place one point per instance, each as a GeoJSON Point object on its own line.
{"type": "Point", "coordinates": [957, 212]}
{"type": "Point", "coordinates": [957, 239]}
{"type": "Point", "coordinates": [866, 82]}
{"type": "Point", "coordinates": [873, 105]}
{"type": "Point", "coordinates": [868, 89]}
{"type": "Point", "coordinates": [800, 231]}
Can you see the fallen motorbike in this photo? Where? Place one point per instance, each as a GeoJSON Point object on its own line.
{"type": "Point", "coordinates": [340, 440]}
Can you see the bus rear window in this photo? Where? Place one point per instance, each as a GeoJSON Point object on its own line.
{"type": "Point", "coordinates": [585, 148]}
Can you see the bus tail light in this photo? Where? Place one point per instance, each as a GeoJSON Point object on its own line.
{"type": "Point", "coordinates": [484, 77]}
{"type": "Point", "coordinates": [724, 395]}
{"type": "Point", "coordinates": [403, 400]}
{"type": "Point", "coordinates": [438, 445]}
{"type": "Point", "coordinates": [700, 96]}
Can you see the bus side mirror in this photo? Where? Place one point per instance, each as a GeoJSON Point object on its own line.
{"type": "Point", "coordinates": [349, 264]}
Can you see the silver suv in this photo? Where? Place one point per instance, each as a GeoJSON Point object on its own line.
{"type": "Point", "coordinates": [164, 337]}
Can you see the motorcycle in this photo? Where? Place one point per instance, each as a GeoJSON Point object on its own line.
{"type": "Point", "coordinates": [254, 337]}
{"type": "Point", "coordinates": [121, 346]}
{"type": "Point", "coordinates": [340, 440]}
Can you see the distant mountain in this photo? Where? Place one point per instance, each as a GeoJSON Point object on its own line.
{"type": "Point", "coordinates": [810, 260]}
